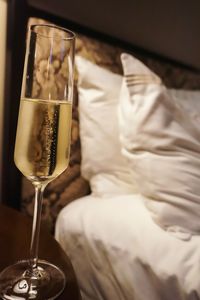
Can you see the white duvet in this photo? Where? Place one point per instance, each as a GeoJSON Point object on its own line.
{"type": "Point", "coordinates": [119, 253]}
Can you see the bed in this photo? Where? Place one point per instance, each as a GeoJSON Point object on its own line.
{"type": "Point", "coordinates": [120, 247]}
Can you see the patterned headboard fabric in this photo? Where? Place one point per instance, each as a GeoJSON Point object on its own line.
{"type": "Point", "coordinates": [71, 185]}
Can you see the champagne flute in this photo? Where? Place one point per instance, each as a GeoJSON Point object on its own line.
{"type": "Point", "coordinates": [42, 148]}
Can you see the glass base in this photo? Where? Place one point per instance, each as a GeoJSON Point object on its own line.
{"type": "Point", "coordinates": [19, 282]}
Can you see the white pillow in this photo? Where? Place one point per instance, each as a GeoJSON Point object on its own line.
{"type": "Point", "coordinates": [102, 161]}
{"type": "Point", "coordinates": [160, 136]}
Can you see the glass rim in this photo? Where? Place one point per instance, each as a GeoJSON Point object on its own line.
{"type": "Point", "coordinates": [67, 38]}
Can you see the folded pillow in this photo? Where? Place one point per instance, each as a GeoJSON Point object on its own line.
{"type": "Point", "coordinates": [160, 137]}
{"type": "Point", "coordinates": [102, 161]}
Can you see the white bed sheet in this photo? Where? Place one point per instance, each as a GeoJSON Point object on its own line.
{"type": "Point", "coordinates": [119, 253]}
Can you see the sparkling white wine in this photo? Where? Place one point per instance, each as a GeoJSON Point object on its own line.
{"type": "Point", "coordinates": [43, 138]}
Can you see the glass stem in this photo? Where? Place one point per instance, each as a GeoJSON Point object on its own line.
{"type": "Point", "coordinates": [39, 189]}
